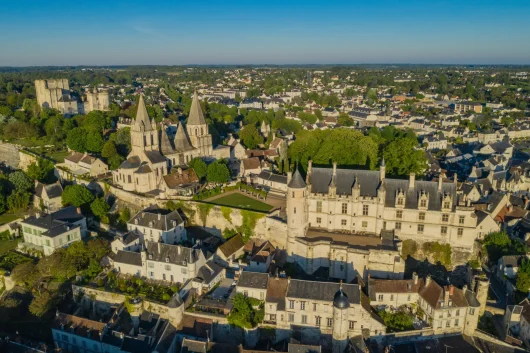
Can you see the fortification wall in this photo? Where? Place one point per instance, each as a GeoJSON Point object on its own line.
{"type": "Point", "coordinates": [9, 154]}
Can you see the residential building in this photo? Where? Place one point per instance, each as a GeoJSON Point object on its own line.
{"type": "Point", "coordinates": [47, 198]}
{"type": "Point", "coordinates": [156, 224]}
{"type": "Point", "coordinates": [48, 232]}
{"type": "Point", "coordinates": [83, 163]}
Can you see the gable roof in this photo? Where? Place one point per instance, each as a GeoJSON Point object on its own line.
{"type": "Point", "coordinates": [232, 245]}
{"type": "Point", "coordinates": [324, 291]}
{"type": "Point", "coordinates": [157, 218]}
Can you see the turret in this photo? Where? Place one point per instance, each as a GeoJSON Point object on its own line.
{"type": "Point", "coordinates": [332, 189]}
{"type": "Point", "coordinates": [339, 335]}
{"type": "Point", "coordinates": [382, 170]}
{"type": "Point", "coordinates": [297, 217]}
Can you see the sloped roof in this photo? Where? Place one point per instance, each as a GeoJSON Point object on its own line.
{"type": "Point", "coordinates": [232, 245]}
{"type": "Point", "coordinates": [142, 118]}
{"type": "Point", "coordinates": [182, 142]}
{"type": "Point", "coordinates": [157, 218]}
{"type": "Point", "coordinates": [297, 182]}
{"type": "Point", "coordinates": [322, 290]}
{"type": "Point", "coordinates": [128, 257]}
{"type": "Point", "coordinates": [196, 116]}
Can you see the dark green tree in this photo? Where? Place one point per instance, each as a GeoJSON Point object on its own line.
{"type": "Point", "coordinates": [76, 195]}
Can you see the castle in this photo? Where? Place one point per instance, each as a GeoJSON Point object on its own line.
{"type": "Point", "coordinates": [352, 221]}
{"type": "Point", "coordinates": [153, 154]}
{"type": "Point", "coordinates": [55, 94]}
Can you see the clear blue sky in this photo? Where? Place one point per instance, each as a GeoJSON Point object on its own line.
{"type": "Point", "coordinates": [115, 32]}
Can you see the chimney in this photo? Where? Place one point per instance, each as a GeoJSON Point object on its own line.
{"type": "Point", "coordinates": [451, 289]}
{"type": "Point", "coordinates": [178, 249]}
{"type": "Point", "coordinates": [179, 170]}
{"type": "Point", "coordinates": [309, 166]}
{"type": "Point", "coordinates": [427, 280]}
{"type": "Point", "coordinates": [464, 288]}
{"type": "Point", "coordinates": [455, 179]}
{"type": "Point", "coordinates": [334, 169]}
{"type": "Point", "coordinates": [78, 210]}
{"type": "Point", "coordinates": [440, 183]}
{"type": "Point", "coordinates": [415, 277]}
{"type": "Point", "coordinates": [289, 280]}
{"type": "Point", "coordinates": [158, 247]}
{"type": "Point", "coordinates": [159, 216]}
{"type": "Point", "coordinates": [289, 177]}
{"type": "Point", "coordinates": [37, 215]}
{"type": "Point", "coordinates": [412, 180]}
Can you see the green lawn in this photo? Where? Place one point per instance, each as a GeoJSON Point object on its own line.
{"type": "Point", "coordinates": [241, 201]}
{"type": "Point", "coordinates": [7, 245]}
{"type": "Point", "coordinates": [58, 156]}
{"type": "Point", "coordinates": [8, 217]}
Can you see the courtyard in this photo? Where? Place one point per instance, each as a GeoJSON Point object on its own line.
{"type": "Point", "coordinates": [239, 200]}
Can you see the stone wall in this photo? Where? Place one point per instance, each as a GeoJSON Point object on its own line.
{"type": "Point", "coordinates": [25, 159]}
{"type": "Point", "coordinates": [9, 154]}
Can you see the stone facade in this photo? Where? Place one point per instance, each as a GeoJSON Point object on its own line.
{"type": "Point", "coordinates": [97, 100]}
{"type": "Point", "coordinates": [55, 94]}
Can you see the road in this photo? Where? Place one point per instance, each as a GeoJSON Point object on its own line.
{"type": "Point", "coordinates": [498, 290]}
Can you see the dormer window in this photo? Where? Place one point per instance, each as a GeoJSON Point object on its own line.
{"type": "Point", "coordinates": [150, 256]}
{"type": "Point", "coordinates": [423, 201]}
{"type": "Point", "coordinates": [167, 259]}
{"type": "Point", "coordinates": [136, 221]}
{"type": "Point", "coordinates": [399, 201]}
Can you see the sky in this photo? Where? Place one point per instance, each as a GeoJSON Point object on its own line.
{"type": "Point", "coordinates": [174, 32]}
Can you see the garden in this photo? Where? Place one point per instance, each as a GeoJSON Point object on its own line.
{"type": "Point", "coordinates": [241, 201]}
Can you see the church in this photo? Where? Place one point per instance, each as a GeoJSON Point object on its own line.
{"type": "Point", "coordinates": [153, 153]}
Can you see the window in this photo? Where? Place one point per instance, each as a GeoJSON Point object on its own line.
{"type": "Point", "coordinates": [330, 322]}
{"type": "Point", "coordinates": [304, 319]}
{"type": "Point", "coordinates": [422, 216]}
{"type": "Point", "coordinates": [420, 228]}
{"type": "Point", "coordinates": [164, 276]}
{"type": "Point", "coordinates": [423, 203]}
{"type": "Point", "coordinates": [399, 214]}
{"type": "Point", "coordinates": [456, 322]}
{"type": "Point", "coordinates": [439, 324]}
{"type": "Point", "coordinates": [315, 306]}
{"type": "Point", "coordinates": [365, 210]}
{"type": "Point", "coordinates": [351, 325]}
{"type": "Point", "coordinates": [150, 265]}
{"type": "Point", "coordinates": [319, 220]}
{"type": "Point", "coordinates": [399, 201]}
{"type": "Point", "coordinates": [167, 267]}
{"type": "Point", "coordinates": [458, 312]}
{"type": "Point", "coordinates": [448, 323]}
{"type": "Point", "coordinates": [245, 293]}
{"type": "Point", "coordinates": [343, 222]}
{"type": "Point", "coordinates": [471, 311]}
{"type": "Point", "coordinates": [291, 304]}
{"type": "Point", "coordinates": [291, 317]}
{"type": "Point", "coordinates": [317, 320]}
{"type": "Point", "coordinates": [294, 210]}
{"type": "Point", "coordinates": [262, 296]}
{"type": "Point", "coordinates": [344, 208]}
{"type": "Point", "coordinates": [461, 219]}
{"type": "Point", "coordinates": [302, 305]}
{"type": "Point", "coordinates": [319, 206]}
{"type": "Point", "coordinates": [364, 224]}
{"type": "Point", "coordinates": [184, 271]}
{"type": "Point", "coordinates": [444, 230]}
{"type": "Point", "coordinates": [391, 296]}
{"type": "Point", "coordinates": [380, 297]}
{"type": "Point", "coordinates": [460, 232]}
{"type": "Point", "coordinates": [398, 225]}
{"type": "Point", "coordinates": [445, 218]}
{"type": "Point", "coordinates": [447, 204]}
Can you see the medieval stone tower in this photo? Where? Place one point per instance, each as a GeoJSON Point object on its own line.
{"type": "Point", "coordinates": [198, 129]}
{"type": "Point", "coordinates": [339, 337]}
{"type": "Point", "coordinates": [144, 135]}
{"type": "Point", "coordinates": [97, 100]}
{"type": "Point", "coordinates": [297, 215]}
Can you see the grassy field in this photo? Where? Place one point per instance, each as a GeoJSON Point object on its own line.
{"type": "Point", "coordinates": [241, 201]}
{"type": "Point", "coordinates": [8, 217]}
{"type": "Point", "coordinates": [7, 245]}
{"type": "Point", "coordinates": [58, 156]}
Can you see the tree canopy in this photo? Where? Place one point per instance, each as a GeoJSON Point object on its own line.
{"type": "Point", "coordinates": [76, 195]}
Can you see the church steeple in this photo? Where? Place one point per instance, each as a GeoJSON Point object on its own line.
{"type": "Point", "coordinates": [142, 122]}
{"type": "Point", "coordinates": [196, 116]}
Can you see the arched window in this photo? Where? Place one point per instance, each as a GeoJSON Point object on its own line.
{"type": "Point", "coordinates": [196, 131]}
{"type": "Point", "coordinates": [202, 131]}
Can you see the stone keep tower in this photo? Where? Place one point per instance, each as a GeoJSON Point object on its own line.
{"type": "Point", "coordinates": [144, 136]}
{"type": "Point", "coordinates": [297, 215]}
{"type": "Point", "coordinates": [340, 322]}
{"type": "Point", "coordinates": [198, 129]}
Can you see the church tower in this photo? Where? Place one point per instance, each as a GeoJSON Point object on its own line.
{"type": "Point", "coordinates": [297, 212]}
{"type": "Point", "coordinates": [198, 129]}
{"type": "Point", "coordinates": [144, 135]}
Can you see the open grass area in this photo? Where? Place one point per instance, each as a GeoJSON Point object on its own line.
{"type": "Point", "coordinates": [57, 156]}
{"type": "Point", "coordinates": [8, 217]}
{"type": "Point", "coordinates": [7, 245]}
{"type": "Point", "coordinates": [241, 201]}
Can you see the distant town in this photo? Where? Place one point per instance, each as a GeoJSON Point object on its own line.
{"type": "Point", "coordinates": [340, 209]}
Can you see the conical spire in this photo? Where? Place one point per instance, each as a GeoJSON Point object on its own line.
{"type": "Point", "coordinates": [182, 142]}
{"type": "Point", "coordinates": [196, 116]}
{"type": "Point", "coordinates": [297, 182]}
{"type": "Point", "coordinates": [165, 144]}
{"type": "Point", "coordinates": [383, 164]}
{"type": "Point", "coordinates": [142, 118]}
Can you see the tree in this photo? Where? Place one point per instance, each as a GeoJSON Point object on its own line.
{"type": "Point", "coordinates": [25, 273]}
{"type": "Point", "coordinates": [498, 244]}
{"type": "Point", "coordinates": [402, 158]}
{"type": "Point", "coordinates": [115, 161]}
{"type": "Point", "coordinates": [41, 304]}
{"type": "Point", "coordinates": [250, 136]}
{"type": "Point", "coordinates": [21, 181]}
{"type": "Point", "coordinates": [95, 121]}
{"type": "Point", "coordinates": [41, 171]}
{"type": "Point", "coordinates": [77, 139]}
{"type": "Point", "coordinates": [122, 138]}
{"type": "Point", "coordinates": [54, 128]}
{"type": "Point", "coordinates": [109, 150]}
{"type": "Point", "coordinates": [199, 166]}
{"type": "Point", "coordinates": [76, 195]}
{"type": "Point", "coordinates": [18, 200]}
{"type": "Point", "coordinates": [218, 172]}
{"type": "Point", "coordinates": [345, 120]}
{"type": "Point", "coordinates": [523, 277]}
{"type": "Point", "coordinates": [100, 207]}
{"type": "Point", "coordinates": [94, 142]}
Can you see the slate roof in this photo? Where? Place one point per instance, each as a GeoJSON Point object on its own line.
{"type": "Point", "coordinates": [128, 257]}
{"type": "Point", "coordinates": [277, 178]}
{"type": "Point", "coordinates": [155, 156]}
{"type": "Point", "coordinates": [57, 222]}
{"type": "Point", "coordinates": [297, 182]}
{"type": "Point", "coordinates": [208, 272]}
{"type": "Point", "coordinates": [324, 291]}
{"type": "Point", "coordinates": [253, 280]}
{"type": "Point", "coordinates": [182, 141]}
{"type": "Point", "coordinates": [369, 182]}
{"type": "Point", "coordinates": [194, 326]}
{"type": "Point", "coordinates": [52, 190]}
{"type": "Point", "coordinates": [173, 254]}
{"type": "Point", "coordinates": [142, 118]}
{"type": "Point", "coordinates": [157, 218]}
{"type": "Point", "coordinates": [393, 286]}
{"type": "Point", "coordinates": [132, 162]}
